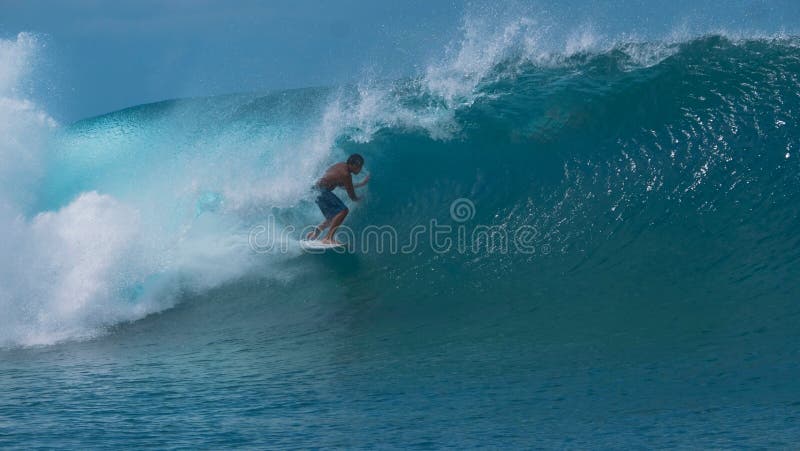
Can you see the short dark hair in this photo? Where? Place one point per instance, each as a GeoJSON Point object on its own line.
{"type": "Point", "coordinates": [355, 160]}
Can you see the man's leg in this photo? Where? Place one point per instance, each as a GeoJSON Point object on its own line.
{"type": "Point", "coordinates": [336, 221]}
{"type": "Point", "coordinates": [314, 234]}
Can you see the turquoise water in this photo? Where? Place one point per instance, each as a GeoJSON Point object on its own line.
{"type": "Point", "coordinates": [656, 307]}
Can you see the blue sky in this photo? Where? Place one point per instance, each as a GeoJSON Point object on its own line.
{"type": "Point", "coordinates": [101, 56]}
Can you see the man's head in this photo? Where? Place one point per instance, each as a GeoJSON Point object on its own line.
{"type": "Point", "coordinates": [355, 162]}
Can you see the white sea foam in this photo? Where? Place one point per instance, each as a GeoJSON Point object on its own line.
{"type": "Point", "coordinates": [57, 274]}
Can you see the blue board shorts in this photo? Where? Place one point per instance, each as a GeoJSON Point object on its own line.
{"type": "Point", "coordinates": [330, 204]}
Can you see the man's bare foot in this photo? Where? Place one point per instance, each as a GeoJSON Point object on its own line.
{"type": "Point", "coordinates": [313, 234]}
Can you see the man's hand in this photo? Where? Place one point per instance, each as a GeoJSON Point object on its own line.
{"type": "Point", "coordinates": [363, 182]}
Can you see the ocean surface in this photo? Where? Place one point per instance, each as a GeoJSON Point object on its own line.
{"type": "Point", "coordinates": [592, 247]}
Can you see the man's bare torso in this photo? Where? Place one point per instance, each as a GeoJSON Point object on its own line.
{"type": "Point", "coordinates": [336, 175]}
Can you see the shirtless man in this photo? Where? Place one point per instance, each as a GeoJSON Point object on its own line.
{"type": "Point", "coordinates": [334, 210]}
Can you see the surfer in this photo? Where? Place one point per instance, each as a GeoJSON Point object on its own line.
{"type": "Point", "coordinates": [334, 210]}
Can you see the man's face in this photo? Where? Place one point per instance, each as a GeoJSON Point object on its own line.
{"type": "Point", "coordinates": [355, 169]}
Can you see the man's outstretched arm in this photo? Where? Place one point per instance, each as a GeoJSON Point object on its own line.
{"type": "Point", "coordinates": [351, 191]}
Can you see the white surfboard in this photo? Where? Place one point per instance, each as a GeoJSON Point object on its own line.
{"type": "Point", "coordinates": [315, 245]}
